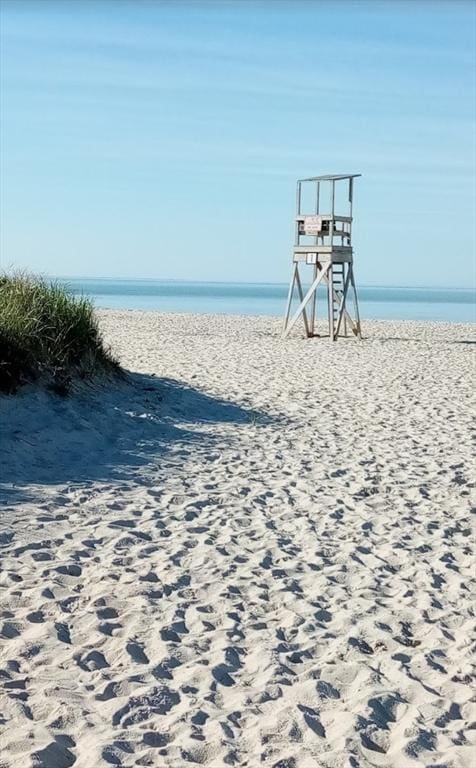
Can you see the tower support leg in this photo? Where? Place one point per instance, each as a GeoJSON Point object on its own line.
{"type": "Point", "coordinates": [342, 308]}
{"type": "Point", "coordinates": [300, 291]}
{"type": "Point", "coordinates": [290, 297]}
{"type": "Point", "coordinates": [312, 322]}
{"type": "Point", "coordinates": [358, 331]}
{"type": "Point", "coordinates": [330, 302]}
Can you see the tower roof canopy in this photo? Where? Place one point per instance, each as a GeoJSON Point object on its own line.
{"type": "Point", "coordinates": [333, 177]}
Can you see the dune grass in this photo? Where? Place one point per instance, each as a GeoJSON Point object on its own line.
{"type": "Point", "coordinates": [48, 335]}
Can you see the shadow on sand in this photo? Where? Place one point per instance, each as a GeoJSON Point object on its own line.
{"type": "Point", "coordinates": [420, 340]}
{"type": "Point", "coordinates": [108, 434]}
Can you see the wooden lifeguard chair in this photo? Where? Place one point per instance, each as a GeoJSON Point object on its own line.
{"type": "Point", "coordinates": [324, 241]}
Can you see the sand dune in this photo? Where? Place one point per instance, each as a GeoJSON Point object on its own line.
{"type": "Point", "coordinates": [249, 553]}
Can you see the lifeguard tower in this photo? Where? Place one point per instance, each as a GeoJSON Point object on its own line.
{"type": "Point", "coordinates": [323, 241]}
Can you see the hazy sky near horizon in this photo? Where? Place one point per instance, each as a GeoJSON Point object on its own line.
{"type": "Point", "coordinates": [164, 139]}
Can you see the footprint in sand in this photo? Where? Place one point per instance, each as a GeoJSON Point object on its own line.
{"type": "Point", "coordinates": [36, 617]}
{"type": "Point", "coordinates": [92, 661]}
{"type": "Point", "coordinates": [69, 570]}
{"type": "Point", "coordinates": [57, 754]}
{"type": "Point", "coordinates": [10, 630]}
{"type": "Point", "coordinates": [106, 613]}
{"type": "Point", "coordinates": [136, 652]}
{"type": "Point", "coordinates": [139, 709]}
{"type": "Point", "coordinates": [311, 718]}
{"type": "Point", "coordinates": [62, 632]}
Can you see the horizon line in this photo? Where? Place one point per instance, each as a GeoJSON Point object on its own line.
{"type": "Point", "coordinates": [249, 282]}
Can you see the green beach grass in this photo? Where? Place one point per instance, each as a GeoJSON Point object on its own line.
{"type": "Point", "coordinates": [48, 336]}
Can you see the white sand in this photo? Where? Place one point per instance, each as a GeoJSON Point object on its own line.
{"type": "Point", "coordinates": [263, 561]}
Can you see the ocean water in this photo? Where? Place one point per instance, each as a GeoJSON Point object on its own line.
{"type": "Point", "coordinates": [375, 302]}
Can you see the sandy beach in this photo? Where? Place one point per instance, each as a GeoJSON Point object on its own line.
{"type": "Point", "coordinates": [247, 553]}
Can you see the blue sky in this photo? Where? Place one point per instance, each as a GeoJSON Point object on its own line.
{"type": "Point", "coordinates": [152, 139]}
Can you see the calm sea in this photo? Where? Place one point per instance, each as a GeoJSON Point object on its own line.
{"type": "Point", "coordinates": [455, 304]}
